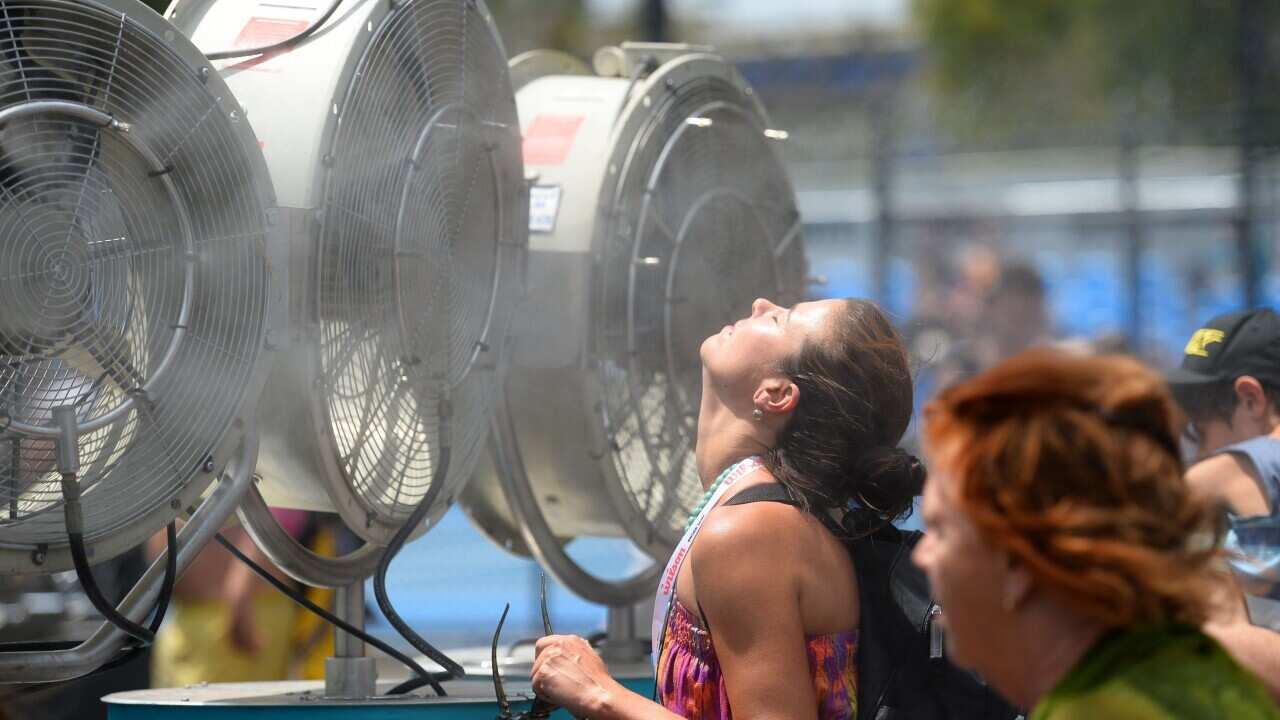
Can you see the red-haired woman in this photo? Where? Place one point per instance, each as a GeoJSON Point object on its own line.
{"type": "Point", "coordinates": [1074, 566]}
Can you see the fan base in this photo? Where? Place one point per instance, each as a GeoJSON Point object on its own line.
{"type": "Point", "coordinates": [467, 700]}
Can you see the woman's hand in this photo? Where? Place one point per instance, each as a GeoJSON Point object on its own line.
{"type": "Point", "coordinates": [567, 672]}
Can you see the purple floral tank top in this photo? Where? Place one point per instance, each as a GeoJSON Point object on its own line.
{"type": "Point", "coordinates": [691, 685]}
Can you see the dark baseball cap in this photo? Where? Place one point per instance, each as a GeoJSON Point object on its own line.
{"type": "Point", "coordinates": [1229, 346]}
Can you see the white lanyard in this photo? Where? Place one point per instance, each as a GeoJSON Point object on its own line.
{"type": "Point", "coordinates": [666, 596]}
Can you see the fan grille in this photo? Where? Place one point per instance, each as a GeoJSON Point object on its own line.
{"type": "Point", "coordinates": [131, 267]}
{"type": "Point", "coordinates": [418, 250]}
{"type": "Point", "coordinates": [706, 223]}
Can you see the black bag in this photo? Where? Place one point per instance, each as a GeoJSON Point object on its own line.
{"type": "Point", "coordinates": [903, 672]}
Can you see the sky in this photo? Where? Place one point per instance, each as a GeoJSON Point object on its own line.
{"type": "Point", "coordinates": [770, 16]}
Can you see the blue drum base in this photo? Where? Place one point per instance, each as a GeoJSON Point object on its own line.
{"type": "Point", "coordinates": [467, 700]}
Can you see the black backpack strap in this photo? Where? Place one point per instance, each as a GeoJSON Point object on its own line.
{"type": "Point", "coordinates": [766, 492]}
{"type": "Point", "coordinates": [779, 493]}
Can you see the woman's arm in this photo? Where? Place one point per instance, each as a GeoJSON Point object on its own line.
{"type": "Point", "coordinates": [1256, 649]}
{"type": "Point", "coordinates": [744, 576]}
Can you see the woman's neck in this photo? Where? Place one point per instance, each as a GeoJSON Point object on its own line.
{"type": "Point", "coordinates": [1053, 641]}
{"type": "Point", "coordinates": [724, 439]}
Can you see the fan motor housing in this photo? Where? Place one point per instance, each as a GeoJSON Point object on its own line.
{"type": "Point", "coordinates": [392, 140]}
{"type": "Point", "coordinates": [640, 186]}
{"type": "Point", "coordinates": [160, 274]}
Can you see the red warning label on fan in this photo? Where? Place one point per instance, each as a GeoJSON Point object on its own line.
{"type": "Point", "coordinates": [549, 138]}
{"type": "Point", "coordinates": [262, 32]}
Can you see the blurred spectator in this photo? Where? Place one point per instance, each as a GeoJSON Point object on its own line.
{"type": "Point", "coordinates": [1229, 387]}
{"type": "Point", "coordinates": [226, 624]}
{"type": "Point", "coordinates": [1015, 318]}
{"type": "Point", "coordinates": [951, 302]}
{"type": "Point", "coordinates": [1073, 564]}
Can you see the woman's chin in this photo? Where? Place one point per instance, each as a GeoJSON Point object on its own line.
{"type": "Point", "coordinates": [705, 347]}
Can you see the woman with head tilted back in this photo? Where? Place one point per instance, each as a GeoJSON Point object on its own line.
{"type": "Point", "coordinates": [1074, 564]}
{"type": "Point", "coordinates": [757, 613]}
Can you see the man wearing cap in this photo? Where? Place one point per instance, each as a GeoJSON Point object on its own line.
{"type": "Point", "coordinates": [1229, 387]}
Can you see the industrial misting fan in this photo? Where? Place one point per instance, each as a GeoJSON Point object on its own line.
{"type": "Point", "coordinates": [135, 297]}
{"type": "Point", "coordinates": [659, 209]}
{"type": "Point", "coordinates": [390, 133]}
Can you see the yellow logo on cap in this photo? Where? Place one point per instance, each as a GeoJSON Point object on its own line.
{"type": "Point", "coordinates": [1203, 338]}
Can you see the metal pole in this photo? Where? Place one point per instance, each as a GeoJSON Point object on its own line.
{"type": "Point", "coordinates": [622, 643]}
{"type": "Point", "coordinates": [349, 674]}
{"type": "Point", "coordinates": [882, 191]}
{"type": "Point", "coordinates": [655, 21]}
{"type": "Point", "coordinates": [1249, 50]}
{"type": "Point", "coordinates": [350, 603]}
{"type": "Point", "coordinates": [1131, 203]}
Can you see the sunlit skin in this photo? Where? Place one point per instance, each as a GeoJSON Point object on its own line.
{"type": "Point", "coordinates": [997, 622]}
{"type": "Point", "coordinates": [1233, 481]}
{"type": "Point", "coordinates": [766, 575]}
{"type": "Point", "coordinates": [1225, 477]}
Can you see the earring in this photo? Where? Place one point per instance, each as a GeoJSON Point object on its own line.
{"type": "Point", "coordinates": [757, 414]}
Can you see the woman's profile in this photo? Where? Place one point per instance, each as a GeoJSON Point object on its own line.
{"type": "Point", "coordinates": [757, 613]}
{"type": "Point", "coordinates": [1074, 565]}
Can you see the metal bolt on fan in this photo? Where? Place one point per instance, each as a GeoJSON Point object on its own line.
{"type": "Point", "coordinates": [660, 209]}
{"type": "Point", "coordinates": [134, 286]}
{"type": "Point", "coordinates": [392, 140]}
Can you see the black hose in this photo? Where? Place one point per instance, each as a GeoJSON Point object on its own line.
{"type": "Point", "coordinates": [283, 44]}
{"type": "Point", "coordinates": [414, 683]}
{"type": "Point", "coordinates": [419, 513]}
{"type": "Point", "coordinates": [327, 616]}
{"type": "Point", "coordinates": [75, 537]}
{"type": "Point", "coordinates": [170, 577]}
{"type": "Point", "coordinates": [128, 653]}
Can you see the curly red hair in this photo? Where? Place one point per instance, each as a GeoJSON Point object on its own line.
{"type": "Point", "coordinates": [1071, 465]}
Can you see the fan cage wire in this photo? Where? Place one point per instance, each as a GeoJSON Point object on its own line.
{"type": "Point", "coordinates": [705, 196]}
{"type": "Point", "coordinates": [418, 250]}
{"type": "Point", "coordinates": [91, 255]}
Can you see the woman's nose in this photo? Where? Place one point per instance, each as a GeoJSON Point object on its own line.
{"type": "Point", "coordinates": [761, 305]}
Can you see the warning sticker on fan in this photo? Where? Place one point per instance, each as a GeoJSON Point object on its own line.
{"type": "Point", "coordinates": [270, 23]}
{"type": "Point", "coordinates": [544, 205]}
{"type": "Point", "coordinates": [263, 31]}
{"type": "Point", "coordinates": [549, 138]}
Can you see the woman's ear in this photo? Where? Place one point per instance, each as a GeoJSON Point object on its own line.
{"type": "Point", "coordinates": [1016, 586]}
{"type": "Point", "coordinates": [776, 395]}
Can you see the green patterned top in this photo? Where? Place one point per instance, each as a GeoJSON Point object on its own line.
{"type": "Point", "coordinates": [1170, 672]}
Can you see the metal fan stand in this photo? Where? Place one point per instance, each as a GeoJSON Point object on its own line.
{"type": "Point", "coordinates": [348, 674]}
{"type": "Point", "coordinates": [105, 643]}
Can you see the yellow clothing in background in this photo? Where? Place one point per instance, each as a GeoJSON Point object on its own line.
{"type": "Point", "coordinates": [195, 647]}
{"type": "Point", "coordinates": [312, 636]}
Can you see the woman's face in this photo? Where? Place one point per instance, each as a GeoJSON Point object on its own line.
{"type": "Point", "coordinates": [968, 576]}
{"type": "Point", "coordinates": [741, 355]}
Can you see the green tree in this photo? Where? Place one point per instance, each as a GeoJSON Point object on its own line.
{"type": "Point", "coordinates": [1024, 62]}
{"type": "Point", "coordinates": [557, 24]}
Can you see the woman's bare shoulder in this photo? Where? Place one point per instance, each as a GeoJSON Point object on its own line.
{"type": "Point", "coordinates": [762, 530]}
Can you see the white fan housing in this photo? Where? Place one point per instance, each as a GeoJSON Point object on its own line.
{"type": "Point", "coordinates": [660, 208]}
{"type": "Point", "coordinates": [392, 140]}
{"type": "Point", "coordinates": [134, 280]}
